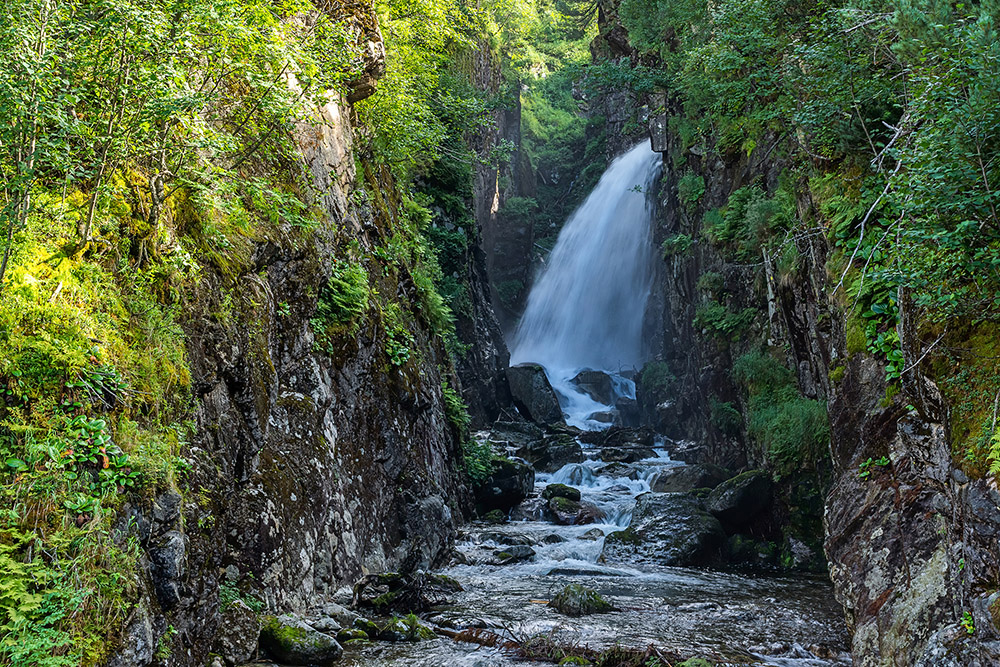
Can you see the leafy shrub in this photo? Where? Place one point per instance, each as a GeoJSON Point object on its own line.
{"type": "Point", "coordinates": [725, 417]}
{"type": "Point", "coordinates": [749, 219]}
{"type": "Point", "coordinates": [792, 431]}
{"type": "Point", "coordinates": [342, 301]}
{"type": "Point", "coordinates": [455, 409]}
{"type": "Point", "coordinates": [656, 379]}
{"type": "Point", "coordinates": [676, 245]}
{"type": "Point", "coordinates": [690, 188]}
{"type": "Point", "coordinates": [717, 321]}
{"type": "Point", "coordinates": [711, 282]}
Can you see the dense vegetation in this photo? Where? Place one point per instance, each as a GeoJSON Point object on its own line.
{"type": "Point", "coordinates": [884, 116]}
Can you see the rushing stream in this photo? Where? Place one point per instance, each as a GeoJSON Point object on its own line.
{"type": "Point", "coordinates": [586, 312]}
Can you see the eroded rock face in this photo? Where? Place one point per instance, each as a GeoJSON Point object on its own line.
{"type": "Point", "coordinates": [739, 500]}
{"type": "Point", "coordinates": [509, 484]}
{"type": "Point", "coordinates": [912, 544]}
{"type": "Point", "coordinates": [533, 394]}
{"type": "Point", "coordinates": [688, 478]}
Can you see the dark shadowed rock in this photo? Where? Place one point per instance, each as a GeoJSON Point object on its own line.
{"type": "Point", "coordinates": [512, 554]}
{"type": "Point", "coordinates": [560, 491]}
{"type": "Point", "coordinates": [533, 395]}
{"type": "Point", "coordinates": [576, 600]}
{"type": "Point", "coordinates": [596, 384]}
{"type": "Point", "coordinates": [509, 484]}
{"type": "Point", "coordinates": [626, 454]}
{"type": "Point", "coordinates": [392, 592]}
{"type": "Point", "coordinates": [568, 512]}
{"type": "Point", "coordinates": [551, 452]}
{"type": "Point", "coordinates": [629, 414]}
{"type": "Point", "coordinates": [167, 564]}
{"type": "Point", "coordinates": [688, 478]}
{"type": "Point", "coordinates": [292, 641]}
{"type": "Point", "coordinates": [670, 529]}
{"type": "Point", "coordinates": [738, 500]}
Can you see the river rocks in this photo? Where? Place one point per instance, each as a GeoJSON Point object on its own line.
{"type": "Point", "coordinates": [688, 478]}
{"type": "Point", "coordinates": [626, 454]}
{"type": "Point", "coordinates": [738, 500]}
{"type": "Point", "coordinates": [408, 629]}
{"type": "Point", "coordinates": [292, 641]}
{"type": "Point", "coordinates": [403, 593]}
{"type": "Point", "coordinates": [551, 452]}
{"type": "Point", "coordinates": [533, 394]}
{"type": "Point", "coordinates": [508, 484]}
{"type": "Point", "coordinates": [576, 600]}
{"type": "Point", "coordinates": [560, 491]}
{"type": "Point", "coordinates": [596, 384]}
{"type": "Point", "coordinates": [568, 512]}
{"type": "Point", "coordinates": [238, 633]}
{"type": "Point", "coordinates": [670, 529]}
{"type": "Point", "coordinates": [515, 553]}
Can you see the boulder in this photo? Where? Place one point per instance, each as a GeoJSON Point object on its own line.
{"type": "Point", "coordinates": [568, 512]}
{"type": "Point", "coordinates": [560, 491]}
{"type": "Point", "coordinates": [628, 454]}
{"type": "Point", "coordinates": [604, 417]}
{"type": "Point", "coordinates": [509, 483]}
{"type": "Point", "coordinates": [392, 592]}
{"type": "Point", "coordinates": [596, 384]}
{"type": "Point", "coordinates": [512, 554]}
{"type": "Point", "coordinates": [629, 414]}
{"type": "Point", "coordinates": [533, 394]}
{"type": "Point", "coordinates": [688, 478]}
{"type": "Point", "coordinates": [408, 629]}
{"type": "Point", "coordinates": [669, 529]}
{"type": "Point", "coordinates": [291, 641]}
{"type": "Point", "coordinates": [576, 600]}
{"type": "Point", "coordinates": [738, 500]}
{"type": "Point", "coordinates": [551, 452]}
{"type": "Point", "coordinates": [238, 633]}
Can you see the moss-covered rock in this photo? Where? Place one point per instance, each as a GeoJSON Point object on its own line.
{"type": "Point", "coordinates": [560, 491]}
{"type": "Point", "coordinates": [291, 641]}
{"type": "Point", "coordinates": [576, 600]}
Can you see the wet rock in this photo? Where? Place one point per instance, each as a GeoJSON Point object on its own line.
{"type": "Point", "coordinates": [553, 539]}
{"type": "Point", "coordinates": [688, 478]}
{"type": "Point", "coordinates": [513, 539]}
{"type": "Point", "coordinates": [351, 634]}
{"type": "Point", "coordinates": [167, 564]}
{"type": "Point", "coordinates": [341, 614]}
{"type": "Point", "coordinates": [738, 500]}
{"type": "Point", "coordinates": [629, 414]}
{"type": "Point", "coordinates": [747, 551]}
{"type": "Point", "coordinates": [568, 512]}
{"type": "Point", "coordinates": [509, 484]}
{"type": "Point", "coordinates": [408, 629]}
{"type": "Point", "coordinates": [458, 621]}
{"type": "Point", "coordinates": [596, 384]}
{"type": "Point", "coordinates": [495, 516]}
{"type": "Point", "coordinates": [695, 662]}
{"type": "Point", "coordinates": [291, 641]}
{"type": "Point", "coordinates": [619, 469]}
{"type": "Point", "coordinates": [326, 624]}
{"type": "Point", "coordinates": [577, 474]}
{"type": "Point", "coordinates": [576, 600]}
{"type": "Point", "coordinates": [626, 454]}
{"type": "Point", "coordinates": [551, 452]}
{"type": "Point", "coordinates": [592, 534]}
{"type": "Point", "coordinates": [516, 553]}
{"type": "Point", "coordinates": [533, 394]}
{"type": "Point", "coordinates": [532, 509]}
{"type": "Point", "coordinates": [560, 491]}
{"type": "Point", "coordinates": [238, 633]}
{"type": "Point", "coordinates": [403, 593]}
{"type": "Point", "coordinates": [604, 416]}
{"type": "Point", "coordinates": [670, 529]}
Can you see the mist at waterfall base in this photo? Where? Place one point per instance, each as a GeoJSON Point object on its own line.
{"type": "Point", "coordinates": [586, 308]}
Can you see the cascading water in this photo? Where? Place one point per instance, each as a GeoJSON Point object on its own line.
{"type": "Point", "coordinates": [586, 308]}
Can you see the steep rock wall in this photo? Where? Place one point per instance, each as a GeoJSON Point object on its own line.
{"type": "Point", "coordinates": [308, 466]}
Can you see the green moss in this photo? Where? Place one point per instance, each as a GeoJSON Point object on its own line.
{"type": "Point", "coordinates": [854, 332]}
{"type": "Point", "coordinates": [837, 373]}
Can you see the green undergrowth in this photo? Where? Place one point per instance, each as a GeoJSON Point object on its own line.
{"type": "Point", "coordinates": [792, 431]}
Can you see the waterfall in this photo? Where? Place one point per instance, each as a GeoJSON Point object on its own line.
{"type": "Point", "coordinates": [586, 308]}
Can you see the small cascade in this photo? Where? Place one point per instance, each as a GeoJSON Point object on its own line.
{"type": "Point", "coordinates": [586, 308]}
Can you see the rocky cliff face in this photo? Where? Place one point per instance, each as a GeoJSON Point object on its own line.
{"type": "Point", "coordinates": [310, 464]}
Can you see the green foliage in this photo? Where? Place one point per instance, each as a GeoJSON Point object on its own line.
{"type": "Point", "coordinates": [719, 322]}
{"type": "Point", "coordinates": [478, 460]}
{"type": "Point", "coordinates": [656, 380]}
{"type": "Point", "coordinates": [677, 245]}
{"type": "Point", "coordinates": [342, 302]}
{"type": "Point", "coordinates": [711, 283]}
{"type": "Point", "coordinates": [792, 431]}
{"type": "Point", "coordinates": [749, 222]}
{"type": "Point", "coordinates": [455, 409]}
{"type": "Point", "coordinates": [690, 188]}
{"type": "Point", "coordinates": [725, 417]}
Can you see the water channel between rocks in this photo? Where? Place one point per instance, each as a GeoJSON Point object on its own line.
{"type": "Point", "coordinates": [777, 620]}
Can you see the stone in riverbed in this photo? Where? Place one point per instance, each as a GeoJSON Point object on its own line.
{"type": "Point", "coordinates": [533, 394]}
{"type": "Point", "coordinates": [596, 384]}
{"type": "Point", "coordinates": [740, 499]}
{"type": "Point", "coordinates": [508, 484]}
{"type": "Point", "coordinates": [403, 593]}
{"type": "Point", "coordinates": [292, 641]}
{"type": "Point", "coordinates": [512, 554]}
{"type": "Point", "coordinates": [576, 600]}
{"type": "Point", "coordinates": [670, 529]}
{"type": "Point", "coordinates": [626, 454]}
{"type": "Point", "coordinates": [561, 491]}
{"type": "Point", "coordinates": [688, 478]}
{"type": "Point", "coordinates": [551, 452]}
{"type": "Point", "coordinates": [568, 512]}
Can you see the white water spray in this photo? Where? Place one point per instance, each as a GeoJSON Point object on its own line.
{"type": "Point", "coordinates": [586, 308]}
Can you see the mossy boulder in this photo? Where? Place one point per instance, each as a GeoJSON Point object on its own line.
{"type": "Point", "coordinates": [291, 641]}
{"type": "Point", "coordinates": [689, 477]}
{"type": "Point", "coordinates": [407, 629]}
{"type": "Point", "coordinates": [568, 512]}
{"type": "Point", "coordinates": [577, 600]}
{"type": "Point", "coordinates": [560, 491]}
{"type": "Point", "coordinates": [695, 662]}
